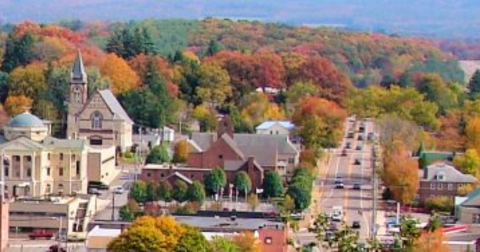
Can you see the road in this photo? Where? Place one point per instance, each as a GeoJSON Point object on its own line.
{"type": "Point", "coordinates": [357, 204]}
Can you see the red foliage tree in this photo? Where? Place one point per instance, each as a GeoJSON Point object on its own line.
{"type": "Point", "coordinates": [139, 64]}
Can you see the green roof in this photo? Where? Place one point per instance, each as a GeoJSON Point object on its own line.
{"type": "Point", "coordinates": [430, 157]}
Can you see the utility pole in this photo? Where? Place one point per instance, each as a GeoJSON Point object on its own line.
{"type": "Point", "coordinates": [113, 206]}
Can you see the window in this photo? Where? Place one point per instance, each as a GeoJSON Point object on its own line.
{"type": "Point", "coordinates": [29, 172]}
{"type": "Point", "coordinates": [96, 141]}
{"type": "Point", "coordinates": [96, 120]}
{"type": "Point", "coordinates": [16, 158]}
{"type": "Point", "coordinates": [476, 218]}
{"type": "Point", "coordinates": [220, 156]}
{"type": "Point", "coordinates": [291, 160]}
{"type": "Point", "coordinates": [60, 188]}
{"type": "Point", "coordinates": [450, 186]}
{"type": "Point", "coordinates": [6, 171]}
{"type": "Point", "coordinates": [73, 156]}
{"type": "Point", "coordinates": [271, 132]}
{"type": "Point", "coordinates": [48, 189]}
{"type": "Point", "coordinates": [48, 171]}
{"type": "Point", "coordinates": [149, 174]}
{"type": "Point", "coordinates": [162, 175]}
{"type": "Point", "coordinates": [48, 156]}
{"type": "Point", "coordinates": [61, 156]}
{"type": "Point", "coordinates": [432, 186]}
{"type": "Point", "coordinates": [191, 175]}
{"type": "Point", "coordinates": [276, 132]}
{"type": "Point", "coordinates": [28, 158]}
{"type": "Point", "coordinates": [268, 240]}
{"type": "Point", "coordinates": [60, 171]}
{"type": "Point", "coordinates": [77, 95]}
{"type": "Point", "coordinates": [77, 170]}
{"type": "Point", "coordinates": [440, 176]}
{"type": "Point", "coordinates": [440, 186]}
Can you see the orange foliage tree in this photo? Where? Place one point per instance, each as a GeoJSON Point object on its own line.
{"type": "Point", "coordinates": [15, 105]}
{"type": "Point", "coordinates": [450, 136]}
{"type": "Point", "coordinates": [122, 76]}
{"type": "Point", "coordinates": [180, 152]}
{"type": "Point", "coordinates": [472, 131]}
{"type": "Point", "coordinates": [319, 122]}
{"type": "Point", "coordinates": [432, 242]}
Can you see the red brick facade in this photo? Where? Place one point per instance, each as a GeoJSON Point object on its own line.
{"type": "Point", "coordinates": [273, 239]}
{"type": "Point", "coordinates": [215, 156]}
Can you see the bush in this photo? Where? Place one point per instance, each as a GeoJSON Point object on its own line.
{"type": "Point", "coordinates": [128, 155]}
{"type": "Point", "coordinates": [158, 155]}
{"type": "Point", "coordinates": [440, 203]}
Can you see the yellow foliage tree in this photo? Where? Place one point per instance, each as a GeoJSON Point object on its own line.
{"type": "Point", "coordinates": [472, 131]}
{"type": "Point", "coordinates": [180, 152]}
{"type": "Point", "coordinates": [247, 242]}
{"type": "Point", "coordinates": [432, 242]}
{"type": "Point", "coordinates": [17, 104]}
{"type": "Point", "coordinates": [29, 80]}
{"type": "Point", "coordinates": [206, 117]}
{"type": "Point", "coordinates": [120, 73]}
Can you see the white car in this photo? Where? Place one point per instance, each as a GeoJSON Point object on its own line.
{"type": "Point", "coordinates": [118, 190]}
{"type": "Point", "coordinates": [336, 217]}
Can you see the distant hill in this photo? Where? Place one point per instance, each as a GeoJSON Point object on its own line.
{"type": "Point", "coordinates": [432, 18]}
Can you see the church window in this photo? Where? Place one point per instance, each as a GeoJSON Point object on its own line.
{"type": "Point", "coordinates": [96, 120]}
{"type": "Point", "coordinates": [77, 95]}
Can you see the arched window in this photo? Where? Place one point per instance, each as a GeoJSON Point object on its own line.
{"type": "Point", "coordinates": [96, 120]}
{"type": "Point", "coordinates": [77, 95]}
{"type": "Point", "coordinates": [60, 189]}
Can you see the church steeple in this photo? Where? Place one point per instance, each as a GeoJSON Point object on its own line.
{"type": "Point", "coordinates": [78, 74]}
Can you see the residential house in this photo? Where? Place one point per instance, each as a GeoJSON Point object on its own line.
{"type": "Point", "coordinates": [275, 128]}
{"type": "Point", "coordinates": [442, 179]}
{"type": "Point", "coordinates": [468, 211]}
{"type": "Point", "coordinates": [99, 118]}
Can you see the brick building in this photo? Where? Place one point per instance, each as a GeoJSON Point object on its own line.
{"type": "Point", "coordinates": [442, 179]}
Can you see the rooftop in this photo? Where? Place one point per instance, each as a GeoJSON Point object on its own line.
{"type": "Point", "coordinates": [268, 124]}
{"type": "Point", "coordinates": [104, 232]}
{"type": "Point", "coordinates": [447, 173]}
{"type": "Point", "coordinates": [26, 120]}
{"type": "Point", "coordinates": [239, 224]}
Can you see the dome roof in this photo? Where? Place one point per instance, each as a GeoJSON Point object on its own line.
{"type": "Point", "coordinates": [26, 120]}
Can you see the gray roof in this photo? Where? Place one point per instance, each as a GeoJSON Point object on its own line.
{"type": "Point", "coordinates": [240, 224]}
{"type": "Point", "coordinates": [26, 120]}
{"type": "Point", "coordinates": [264, 148]}
{"type": "Point", "coordinates": [449, 172]}
{"type": "Point", "coordinates": [114, 105]}
{"type": "Point", "coordinates": [78, 70]}
{"type": "Point", "coordinates": [268, 124]}
{"type": "Point", "coordinates": [232, 145]}
{"type": "Point", "coordinates": [64, 143]}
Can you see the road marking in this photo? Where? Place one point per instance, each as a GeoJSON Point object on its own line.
{"type": "Point", "coordinates": [345, 203]}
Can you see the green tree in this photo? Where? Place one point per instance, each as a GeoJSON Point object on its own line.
{"type": "Point", "coordinates": [409, 232]}
{"type": "Point", "coordinates": [215, 180]}
{"type": "Point", "coordinates": [138, 191]}
{"type": "Point", "coordinates": [272, 185]}
{"type": "Point", "coordinates": [196, 192]}
{"type": "Point", "coordinates": [18, 51]}
{"type": "Point", "coordinates": [164, 191]}
{"type": "Point", "coordinates": [301, 193]}
{"type": "Point", "coordinates": [474, 84]}
{"type": "Point", "coordinates": [126, 214]}
{"type": "Point", "coordinates": [179, 192]}
{"type": "Point", "coordinates": [222, 244]}
{"type": "Point", "coordinates": [214, 47]}
{"type": "Point", "coordinates": [243, 182]}
{"type": "Point", "coordinates": [158, 155]}
{"type": "Point", "coordinates": [150, 192]}
{"type": "Point", "coordinates": [192, 240]}
{"type": "Point", "coordinates": [142, 107]}
{"type": "Point", "coordinates": [156, 83]}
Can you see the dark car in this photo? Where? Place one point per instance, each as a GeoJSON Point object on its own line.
{"type": "Point", "coordinates": [356, 186]}
{"type": "Point", "coordinates": [98, 185]}
{"type": "Point", "coordinates": [350, 135]}
{"type": "Point", "coordinates": [348, 145]}
{"type": "Point", "coordinates": [360, 138]}
{"type": "Point", "coordinates": [357, 161]}
{"type": "Point", "coordinates": [359, 147]}
{"type": "Point", "coordinates": [356, 224]}
{"type": "Point", "coordinates": [329, 235]}
{"type": "Point", "coordinates": [339, 185]}
{"type": "Point", "coordinates": [56, 248]}
{"type": "Point", "coordinates": [344, 152]}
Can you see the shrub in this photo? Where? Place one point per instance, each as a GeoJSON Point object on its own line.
{"type": "Point", "coordinates": [440, 203]}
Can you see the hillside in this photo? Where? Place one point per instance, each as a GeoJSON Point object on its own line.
{"type": "Point", "coordinates": [432, 18]}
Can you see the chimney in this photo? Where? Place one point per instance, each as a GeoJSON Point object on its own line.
{"type": "Point", "coordinates": [250, 164]}
{"type": "Point", "coordinates": [225, 126]}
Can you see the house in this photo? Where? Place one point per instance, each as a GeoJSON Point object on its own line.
{"type": "Point", "coordinates": [275, 128]}
{"type": "Point", "coordinates": [99, 118]}
{"type": "Point", "coordinates": [228, 149]}
{"type": "Point", "coordinates": [468, 211]}
{"type": "Point", "coordinates": [151, 138]}
{"type": "Point", "coordinates": [98, 238]}
{"type": "Point", "coordinates": [442, 179]}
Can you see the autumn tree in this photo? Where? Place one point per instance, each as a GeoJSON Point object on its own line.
{"type": "Point", "coordinates": [247, 242]}
{"type": "Point", "coordinates": [272, 72]}
{"type": "Point", "coordinates": [123, 78]}
{"type": "Point", "coordinates": [395, 130]}
{"type": "Point", "coordinates": [192, 240]}
{"type": "Point", "coordinates": [300, 90]}
{"type": "Point", "coordinates": [253, 202]}
{"type": "Point", "coordinates": [319, 122]}
{"type": "Point", "coordinates": [128, 42]}
{"type": "Point", "coordinates": [472, 131]}
{"type": "Point", "coordinates": [469, 162]}
{"type": "Point", "coordinates": [432, 242]}
{"type": "Point", "coordinates": [222, 244]}
{"type": "Point", "coordinates": [180, 151]}
{"type": "Point", "coordinates": [15, 105]}
{"type": "Point", "coordinates": [214, 84]}
{"type": "Point", "coordinates": [28, 80]}
{"type": "Point", "coordinates": [450, 136]}
{"type": "Point", "coordinates": [256, 108]}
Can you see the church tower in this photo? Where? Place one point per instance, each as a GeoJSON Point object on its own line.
{"type": "Point", "coordinates": [78, 95]}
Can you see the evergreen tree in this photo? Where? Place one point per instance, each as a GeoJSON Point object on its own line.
{"type": "Point", "coordinates": [179, 192]}
{"type": "Point", "coordinates": [272, 185]}
{"type": "Point", "coordinates": [474, 84]}
{"type": "Point", "coordinates": [214, 47]}
{"type": "Point", "coordinates": [157, 86]}
{"type": "Point", "coordinates": [18, 51]}
{"type": "Point", "coordinates": [196, 192]}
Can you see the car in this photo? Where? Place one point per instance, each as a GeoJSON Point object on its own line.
{"type": "Point", "coordinates": [94, 191]}
{"type": "Point", "coordinates": [76, 237]}
{"type": "Point", "coordinates": [357, 161]}
{"type": "Point", "coordinates": [56, 248]}
{"type": "Point", "coordinates": [350, 135]}
{"type": "Point", "coordinates": [338, 179]}
{"type": "Point", "coordinates": [356, 186]}
{"type": "Point", "coordinates": [339, 185]}
{"type": "Point", "coordinates": [329, 235]}
{"type": "Point", "coordinates": [336, 217]}
{"type": "Point", "coordinates": [98, 185]}
{"type": "Point", "coordinates": [359, 147]}
{"type": "Point", "coordinates": [356, 224]}
{"type": "Point", "coordinates": [360, 138]}
{"type": "Point", "coordinates": [371, 136]}
{"type": "Point", "coordinates": [344, 152]}
{"type": "Point", "coordinates": [42, 233]}
{"type": "Point", "coordinates": [348, 145]}
{"type": "Point", "coordinates": [118, 190]}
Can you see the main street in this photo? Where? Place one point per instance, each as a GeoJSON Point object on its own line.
{"type": "Point", "coordinates": [357, 204]}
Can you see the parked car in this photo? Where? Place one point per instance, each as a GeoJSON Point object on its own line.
{"type": "Point", "coordinates": [339, 185]}
{"type": "Point", "coordinates": [359, 147]}
{"type": "Point", "coordinates": [348, 145]}
{"type": "Point", "coordinates": [56, 248]}
{"type": "Point", "coordinates": [329, 235]}
{"type": "Point", "coordinates": [360, 137]}
{"type": "Point", "coordinates": [344, 152]}
{"type": "Point", "coordinates": [357, 161]}
{"type": "Point", "coordinates": [76, 237]}
{"type": "Point", "coordinates": [118, 190]}
{"type": "Point", "coordinates": [42, 233]}
{"type": "Point", "coordinates": [98, 185]}
{"type": "Point", "coordinates": [350, 135]}
{"type": "Point", "coordinates": [94, 191]}
{"type": "Point", "coordinates": [356, 224]}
